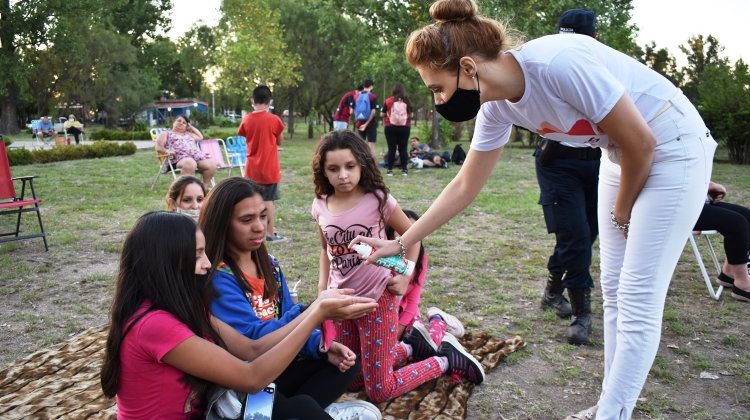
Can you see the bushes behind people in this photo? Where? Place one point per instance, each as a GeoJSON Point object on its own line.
{"type": "Point", "coordinates": [107, 134]}
{"type": "Point", "coordinates": [60, 153]}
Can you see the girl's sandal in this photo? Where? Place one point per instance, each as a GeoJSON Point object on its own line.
{"type": "Point", "coordinates": [587, 414]}
{"type": "Point", "coordinates": [740, 294]}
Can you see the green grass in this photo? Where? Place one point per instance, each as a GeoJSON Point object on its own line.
{"type": "Point", "coordinates": [487, 266]}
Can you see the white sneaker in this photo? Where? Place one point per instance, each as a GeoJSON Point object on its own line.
{"type": "Point", "coordinates": [455, 326]}
{"type": "Point", "coordinates": [353, 410]}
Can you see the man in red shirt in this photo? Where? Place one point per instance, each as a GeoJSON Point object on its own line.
{"type": "Point", "coordinates": [345, 109]}
{"type": "Point", "coordinates": [264, 133]}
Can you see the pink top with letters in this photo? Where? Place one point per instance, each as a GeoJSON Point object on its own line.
{"type": "Point", "coordinates": [347, 270]}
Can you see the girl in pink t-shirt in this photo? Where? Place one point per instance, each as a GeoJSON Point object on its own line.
{"type": "Point", "coordinates": [164, 349]}
{"type": "Point", "coordinates": [352, 199]}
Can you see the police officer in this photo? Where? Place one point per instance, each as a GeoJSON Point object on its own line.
{"type": "Point", "coordinates": [568, 178]}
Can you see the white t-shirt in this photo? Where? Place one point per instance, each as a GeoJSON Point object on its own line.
{"type": "Point", "coordinates": [571, 83]}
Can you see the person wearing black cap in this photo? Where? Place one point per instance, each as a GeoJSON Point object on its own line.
{"type": "Point", "coordinates": [568, 179]}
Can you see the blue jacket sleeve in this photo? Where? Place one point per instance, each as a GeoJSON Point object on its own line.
{"type": "Point", "coordinates": [232, 306]}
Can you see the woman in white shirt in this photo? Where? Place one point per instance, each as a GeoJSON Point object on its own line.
{"type": "Point", "coordinates": [572, 88]}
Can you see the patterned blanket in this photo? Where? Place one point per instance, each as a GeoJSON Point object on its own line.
{"type": "Point", "coordinates": [63, 382]}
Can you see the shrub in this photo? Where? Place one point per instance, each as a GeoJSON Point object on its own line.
{"type": "Point", "coordinates": [7, 141]}
{"type": "Point", "coordinates": [219, 134]}
{"type": "Point", "coordinates": [99, 149]}
{"type": "Point", "coordinates": [107, 134]}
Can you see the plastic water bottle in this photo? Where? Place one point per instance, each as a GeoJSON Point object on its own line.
{"type": "Point", "coordinates": [394, 263]}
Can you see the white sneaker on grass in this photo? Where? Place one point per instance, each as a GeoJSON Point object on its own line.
{"type": "Point", "coordinates": [353, 410]}
{"type": "Point", "coordinates": [455, 326]}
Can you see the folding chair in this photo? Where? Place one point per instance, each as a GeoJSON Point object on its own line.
{"type": "Point", "coordinates": [39, 141]}
{"type": "Point", "coordinates": [10, 203]}
{"type": "Point", "coordinates": [716, 294]}
{"type": "Point", "coordinates": [162, 158]}
{"type": "Point", "coordinates": [218, 151]}
{"type": "Point", "coordinates": [237, 152]}
{"type": "Point", "coordinates": [68, 135]}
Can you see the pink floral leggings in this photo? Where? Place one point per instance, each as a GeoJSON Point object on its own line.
{"type": "Point", "coordinates": [375, 335]}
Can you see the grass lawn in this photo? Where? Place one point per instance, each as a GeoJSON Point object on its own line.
{"type": "Point", "coordinates": [487, 266]}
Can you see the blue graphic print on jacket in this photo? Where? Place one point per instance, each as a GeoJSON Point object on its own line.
{"type": "Point", "coordinates": [233, 307]}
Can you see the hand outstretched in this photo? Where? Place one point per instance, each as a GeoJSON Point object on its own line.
{"type": "Point", "coordinates": [339, 304]}
{"type": "Point", "coordinates": [341, 356]}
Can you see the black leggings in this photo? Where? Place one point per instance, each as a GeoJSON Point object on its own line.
{"type": "Point", "coordinates": [733, 222]}
{"type": "Point", "coordinates": [307, 387]}
{"type": "Point", "coordinates": [397, 137]}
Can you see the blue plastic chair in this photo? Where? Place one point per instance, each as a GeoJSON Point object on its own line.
{"type": "Point", "coordinates": [237, 151]}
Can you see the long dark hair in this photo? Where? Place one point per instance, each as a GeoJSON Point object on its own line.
{"type": "Point", "coordinates": [371, 180]}
{"type": "Point", "coordinates": [400, 93]}
{"type": "Point", "coordinates": [215, 219]}
{"type": "Point", "coordinates": [391, 234]}
{"type": "Point", "coordinates": [157, 267]}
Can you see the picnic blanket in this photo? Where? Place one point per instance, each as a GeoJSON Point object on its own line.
{"type": "Point", "coordinates": [63, 382]}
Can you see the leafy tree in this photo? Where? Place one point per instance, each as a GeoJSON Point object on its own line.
{"type": "Point", "coordinates": [701, 53]}
{"type": "Point", "coordinates": [660, 61]}
{"type": "Point", "coordinates": [251, 49]}
{"type": "Point", "coordinates": [724, 104]}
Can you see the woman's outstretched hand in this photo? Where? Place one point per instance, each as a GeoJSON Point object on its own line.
{"type": "Point", "coordinates": [382, 247]}
{"type": "Point", "coordinates": [339, 304]}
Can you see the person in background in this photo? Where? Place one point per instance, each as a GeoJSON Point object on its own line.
{"type": "Point", "coordinates": [180, 145]}
{"type": "Point", "coordinates": [345, 109]}
{"type": "Point", "coordinates": [365, 115]}
{"type": "Point", "coordinates": [186, 195]}
{"type": "Point", "coordinates": [397, 114]}
{"type": "Point", "coordinates": [568, 177]}
{"type": "Point", "coordinates": [72, 126]}
{"type": "Point", "coordinates": [423, 152]}
{"type": "Point", "coordinates": [46, 129]}
{"type": "Point", "coordinates": [264, 134]}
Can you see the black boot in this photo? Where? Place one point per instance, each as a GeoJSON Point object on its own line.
{"type": "Point", "coordinates": [553, 297]}
{"type": "Point", "coordinates": [579, 330]}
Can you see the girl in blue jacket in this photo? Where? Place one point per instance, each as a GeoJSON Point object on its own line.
{"type": "Point", "coordinates": [252, 295]}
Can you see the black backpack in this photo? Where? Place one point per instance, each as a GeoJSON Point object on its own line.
{"type": "Point", "coordinates": [458, 155]}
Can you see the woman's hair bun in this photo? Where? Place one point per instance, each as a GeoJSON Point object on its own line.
{"type": "Point", "coordinates": [453, 10]}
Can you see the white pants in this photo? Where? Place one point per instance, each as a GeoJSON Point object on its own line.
{"type": "Point", "coordinates": [635, 273]}
{"type": "Point", "coordinates": [340, 125]}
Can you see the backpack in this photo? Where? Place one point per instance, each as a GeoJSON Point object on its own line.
{"type": "Point", "coordinates": [399, 114]}
{"type": "Point", "coordinates": [362, 107]}
{"type": "Point", "coordinates": [458, 156]}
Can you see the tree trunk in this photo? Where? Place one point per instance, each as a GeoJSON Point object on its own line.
{"type": "Point", "coordinates": [435, 140]}
{"type": "Point", "coordinates": [290, 118]}
{"type": "Point", "coordinates": [8, 109]}
{"type": "Point", "coordinates": [9, 100]}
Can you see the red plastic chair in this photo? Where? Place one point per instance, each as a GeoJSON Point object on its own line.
{"type": "Point", "coordinates": [10, 203]}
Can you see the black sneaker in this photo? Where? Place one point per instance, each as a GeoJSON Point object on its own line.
{"type": "Point", "coordinates": [389, 173]}
{"type": "Point", "coordinates": [418, 337]}
{"type": "Point", "coordinates": [460, 361]}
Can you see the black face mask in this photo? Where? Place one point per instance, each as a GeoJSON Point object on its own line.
{"type": "Point", "coordinates": [463, 105]}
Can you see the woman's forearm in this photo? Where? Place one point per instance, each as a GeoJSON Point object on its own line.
{"type": "Point", "coordinates": [324, 271]}
{"type": "Point", "coordinates": [456, 196]}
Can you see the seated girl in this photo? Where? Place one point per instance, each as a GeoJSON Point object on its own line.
{"type": "Point", "coordinates": [164, 349]}
{"type": "Point", "coordinates": [254, 299]}
{"type": "Point", "coordinates": [186, 195]}
{"type": "Point", "coordinates": [409, 317]}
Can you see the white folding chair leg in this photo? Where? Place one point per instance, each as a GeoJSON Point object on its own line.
{"type": "Point", "coordinates": [716, 294]}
